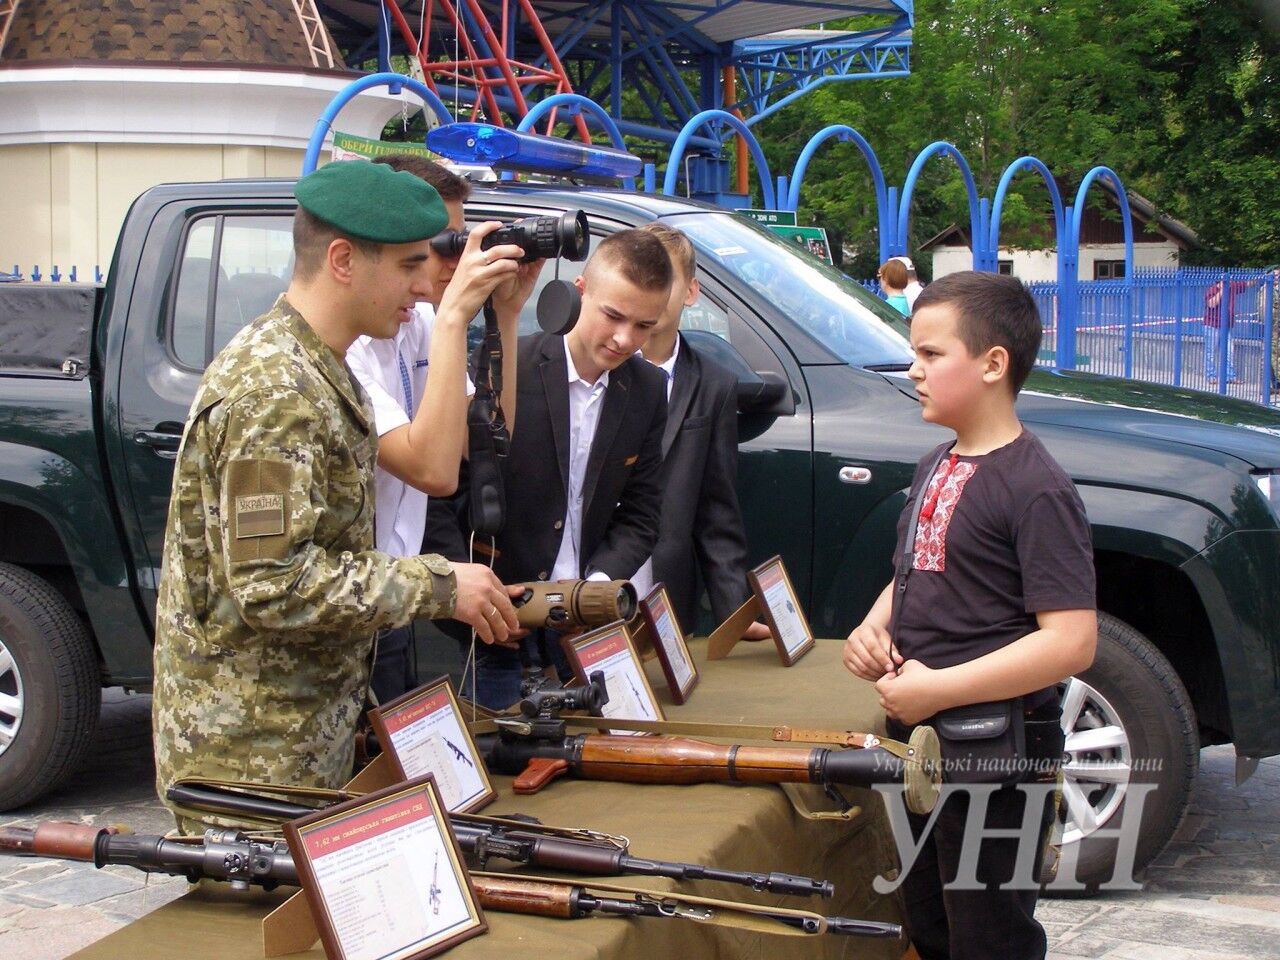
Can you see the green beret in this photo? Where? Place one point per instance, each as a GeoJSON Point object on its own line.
{"type": "Point", "coordinates": [370, 201]}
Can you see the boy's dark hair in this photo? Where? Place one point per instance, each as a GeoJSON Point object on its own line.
{"type": "Point", "coordinates": [448, 184]}
{"type": "Point", "coordinates": [639, 256]}
{"type": "Point", "coordinates": [311, 239]}
{"type": "Point", "coordinates": [994, 311]}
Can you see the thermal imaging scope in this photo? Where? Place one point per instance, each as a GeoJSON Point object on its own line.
{"type": "Point", "coordinates": [572, 604]}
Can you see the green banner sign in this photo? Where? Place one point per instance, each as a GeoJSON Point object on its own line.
{"type": "Point", "coordinates": [347, 146]}
{"type": "Point", "coordinates": [771, 218]}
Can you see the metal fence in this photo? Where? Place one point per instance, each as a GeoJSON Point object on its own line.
{"type": "Point", "coordinates": [1204, 328]}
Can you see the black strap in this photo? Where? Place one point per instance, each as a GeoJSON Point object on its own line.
{"type": "Point", "coordinates": [907, 559]}
{"type": "Point", "coordinates": [488, 439]}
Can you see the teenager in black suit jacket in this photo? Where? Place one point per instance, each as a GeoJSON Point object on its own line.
{"type": "Point", "coordinates": [583, 476]}
{"type": "Point", "coordinates": [701, 540]}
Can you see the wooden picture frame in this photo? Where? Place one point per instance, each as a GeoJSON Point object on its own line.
{"type": "Point", "coordinates": [362, 866]}
{"type": "Point", "coordinates": [423, 732]}
{"type": "Point", "coordinates": [782, 610]}
{"type": "Point", "coordinates": [609, 649]}
{"type": "Point", "coordinates": [667, 638]}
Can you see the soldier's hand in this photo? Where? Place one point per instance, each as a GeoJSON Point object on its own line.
{"type": "Point", "coordinates": [485, 604]}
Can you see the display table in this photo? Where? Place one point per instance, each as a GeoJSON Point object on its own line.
{"type": "Point", "coordinates": [732, 826]}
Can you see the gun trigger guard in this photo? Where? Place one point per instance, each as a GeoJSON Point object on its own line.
{"type": "Point", "coordinates": [539, 772]}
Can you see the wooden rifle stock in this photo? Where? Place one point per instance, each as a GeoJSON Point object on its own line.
{"type": "Point", "coordinates": [535, 897]}
{"type": "Point", "coordinates": [536, 760]}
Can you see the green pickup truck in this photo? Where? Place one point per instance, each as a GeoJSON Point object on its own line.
{"type": "Point", "coordinates": [1182, 488]}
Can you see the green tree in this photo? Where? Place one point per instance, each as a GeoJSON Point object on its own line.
{"type": "Point", "coordinates": [1177, 96]}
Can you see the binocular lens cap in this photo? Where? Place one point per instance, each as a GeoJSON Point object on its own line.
{"type": "Point", "coordinates": [559, 305]}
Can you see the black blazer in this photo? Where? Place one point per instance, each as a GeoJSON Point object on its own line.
{"type": "Point", "coordinates": [702, 531]}
{"type": "Point", "coordinates": [622, 491]}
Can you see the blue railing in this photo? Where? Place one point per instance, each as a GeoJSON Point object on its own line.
{"type": "Point", "coordinates": [55, 275]}
{"type": "Point", "coordinates": [1167, 326]}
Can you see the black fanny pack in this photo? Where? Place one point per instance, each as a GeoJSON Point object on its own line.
{"type": "Point", "coordinates": [982, 742]}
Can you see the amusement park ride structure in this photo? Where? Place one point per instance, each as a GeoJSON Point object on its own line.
{"type": "Point", "coordinates": [652, 66]}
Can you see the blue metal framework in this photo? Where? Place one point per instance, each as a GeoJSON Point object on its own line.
{"type": "Point", "coordinates": [654, 65]}
{"type": "Point", "coordinates": [777, 69]}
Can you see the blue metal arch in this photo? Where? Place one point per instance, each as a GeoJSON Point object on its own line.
{"type": "Point", "coordinates": [845, 134]}
{"type": "Point", "coordinates": [1069, 270]}
{"type": "Point", "coordinates": [394, 82]}
{"type": "Point", "coordinates": [1077, 211]}
{"type": "Point", "coordinates": [574, 104]}
{"type": "Point", "coordinates": [686, 134]}
{"type": "Point", "coordinates": [899, 244]}
{"type": "Point", "coordinates": [997, 206]}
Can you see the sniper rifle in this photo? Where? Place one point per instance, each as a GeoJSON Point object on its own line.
{"type": "Point", "coordinates": [243, 861]}
{"type": "Point", "coordinates": [531, 844]}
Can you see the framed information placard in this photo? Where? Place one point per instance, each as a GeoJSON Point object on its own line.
{"type": "Point", "coordinates": [668, 643]}
{"type": "Point", "coordinates": [782, 610]}
{"type": "Point", "coordinates": [383, 875]}
{"type": "Point", "coordinates": [610, 651]}
{"type": "Point", "coordinates": [423, 732]}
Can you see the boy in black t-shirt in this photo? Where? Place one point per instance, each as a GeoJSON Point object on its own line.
{"type": "Point", "coordinates": [1001, 601]}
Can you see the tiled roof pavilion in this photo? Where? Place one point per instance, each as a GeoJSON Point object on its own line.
{"type": "Point", "coordinates": [244, 32]}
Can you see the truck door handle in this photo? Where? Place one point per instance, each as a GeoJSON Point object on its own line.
{"type": "Point", "coordinates": [164, 440]}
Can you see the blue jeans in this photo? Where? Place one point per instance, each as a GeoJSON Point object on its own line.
{"type": "Point", "coordinates": [1211, 341]}
{"type": "Point", "coordinates": [499, 670]}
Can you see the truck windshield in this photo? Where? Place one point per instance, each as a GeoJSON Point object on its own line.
{"type": "Point", "coordinates": [848, 319]}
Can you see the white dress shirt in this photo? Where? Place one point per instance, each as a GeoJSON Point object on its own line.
{"type": "Point", "coordinates": [643, 579]}
{"type": "Point", "coordinates": [586, 400]}
{"type": "Point", "coordinates": [393, 372]}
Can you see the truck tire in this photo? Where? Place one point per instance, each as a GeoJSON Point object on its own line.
{"type": "Point", "coordinates": [1128, 721]}
{"type": "Point", "coordinates": [50, 694]}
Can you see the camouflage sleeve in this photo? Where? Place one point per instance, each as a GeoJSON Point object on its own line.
{"type": "Point", "coordinates": [297, 535]}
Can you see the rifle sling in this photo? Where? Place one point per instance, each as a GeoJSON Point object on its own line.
{"type": "Point", "coordinates": [723, 913]}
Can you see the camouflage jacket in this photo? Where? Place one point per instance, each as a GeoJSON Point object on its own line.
{"type": "Point", "coordinates": [271, 591]}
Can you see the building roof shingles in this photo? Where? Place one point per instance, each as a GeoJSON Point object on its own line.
{"type": "Point", "coordinates": [262, 32]}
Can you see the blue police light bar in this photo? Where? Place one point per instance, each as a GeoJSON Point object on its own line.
{"type": "Point", "coordinates": [505, 149]}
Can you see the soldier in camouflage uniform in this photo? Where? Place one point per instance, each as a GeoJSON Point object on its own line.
{"type": "Point", "coordinates": [271, 590]}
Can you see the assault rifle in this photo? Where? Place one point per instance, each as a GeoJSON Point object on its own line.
{"type": "Point", "coordinates": [236, 857]}
{"type": "Point", "coordinates": [536, 748]}
{"type": "Point", "coordinates": [531, 844]}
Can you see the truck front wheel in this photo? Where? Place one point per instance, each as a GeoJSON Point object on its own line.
{"type": "Point", "coordinates": [50, 694]}
{"type": "Point", "coordinates": [1128, 723]}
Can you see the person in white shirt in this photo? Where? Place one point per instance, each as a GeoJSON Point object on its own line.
{"type": "Point", "coordinates": [914, 286]}
{"type": "Point", "coordinates": [701, 541]}
{"type": "Point", "coordinates": [421, 419]}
